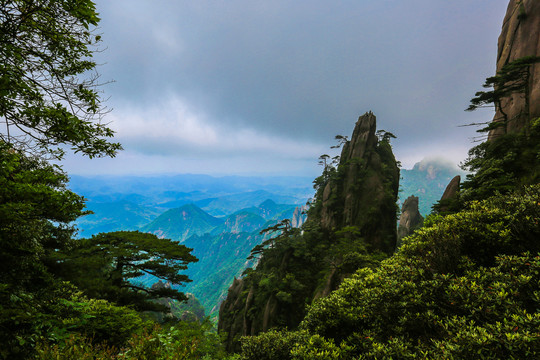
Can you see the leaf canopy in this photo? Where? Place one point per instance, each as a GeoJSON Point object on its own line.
{"type": "Point", "coordinates": [48, 83]}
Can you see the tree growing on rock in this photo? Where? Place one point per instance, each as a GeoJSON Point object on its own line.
{"type": "Point", "coordinates": [513, 78]}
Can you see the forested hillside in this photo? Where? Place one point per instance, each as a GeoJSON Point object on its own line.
{"type": "Point", "coordinates": [464, 284]}
{"type": "Point", "coordinates": [222, 245]}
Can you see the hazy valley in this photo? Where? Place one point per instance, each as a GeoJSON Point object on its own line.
{"type": "Point", "coordinates": [220, 218]}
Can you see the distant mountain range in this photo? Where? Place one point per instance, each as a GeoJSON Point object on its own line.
{"type": "Point", "coordinates": [220, 218]}
{"type": "Point", "coordinates": [427, 180]}
{"type": "Point", "coordinates": [169, 191]}
{"type": "Point", "coordinates": [130, 202]}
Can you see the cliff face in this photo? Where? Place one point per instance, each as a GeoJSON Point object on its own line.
{"type": "Point", "coordinates": [234, 325]}
{"type": "Point", "coordinates": [365, 191]}
{"type": "Point", "coordinates": [299, 216]}
{"type": "Point", "coordinates": [520, 37]}
{"type": "Point", "coordinates": [351, 224]}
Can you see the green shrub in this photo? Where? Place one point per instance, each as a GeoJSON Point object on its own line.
{"type": "Point", "coordinates": [101, 320]}
{"type": "Point", "coordinates": [60, 313]}
{"type": "Point", "coordinates": [184, 341]}
{"type": "Point", "coordinates": [319, 348]}
{"type": "Point", "coordinates": [500, 225]}
{"type": "Point", "coordinates": [78, 347]}
{"type": "Point", "coordinates": [445, 295]}
{"type": "Point", "coordinates": [272, 345]}
{"type": "Point", "coordinates": [491, 311]}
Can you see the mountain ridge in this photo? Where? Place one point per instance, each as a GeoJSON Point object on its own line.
{"type": "Point", "coordinates": [180, 223]}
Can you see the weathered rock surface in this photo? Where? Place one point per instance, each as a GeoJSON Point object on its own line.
{"type": "Point", "coordinates": [365, 193]}
{"type": "Point", "coordinates": [450, 193]}
{"type": "Point", "coordinates": [452, 188]}
{"type": "Point", "coordinates": [410, 218]}
{"type": "Point", "coordinates": [235, 317]}
{"type": "Point", "coordinates": [520, 37]}
{"type": "Point", "coordinates": [299, 216]}
{"type": "Point", "coordinates": [236, 325]}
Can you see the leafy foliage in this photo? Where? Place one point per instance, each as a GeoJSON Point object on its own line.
{"type": "Point", "coordinates": [503, 164]}
{"type": "Point", "coordinates": [55, 314]}
{"type": "Point", "coordinates": [35, 212]}
{"type": "Point", "coordinates": [512, 78]}
{"type": "Point", "coordinates": [49, 93]}
{"type": "Point", "coordinates": [272, 345]}
{"type": "Point", "coordinates": [446, 294]}
{"type": "Point", "coordinates": [102, 321]}
{"type": "Point", "coordinates": [186, 341]}
{"type": "Point", "coordinates": [49, 101]}
{"type": "Point", "coordinates": [108, 265]}
{"type": "Point", "coordinates": [293, 269]}
{"type": "Point", "coordinates": [509, 160]}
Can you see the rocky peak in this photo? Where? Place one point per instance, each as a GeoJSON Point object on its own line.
{"type": "Point", "coordinates": [450, 195]}
{"type": "Point", "coordinates": [360, 193]}
{"type": "Point", "coordinates": [520, 37]}
{"type": "Point", "coordinates": [363, 138]}
{"type": "Point", "coordinates": [410, 218]}
{"type": "Point", "coordinates": [452, 188]}
{"type": "Point", "coordinates": [365, 189]}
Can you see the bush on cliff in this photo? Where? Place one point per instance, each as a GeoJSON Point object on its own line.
{"type": "Point", "coordinates": [464, 287]}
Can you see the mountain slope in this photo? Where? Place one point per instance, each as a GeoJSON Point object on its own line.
{"type": "Point", "coordinates": [221, 245]}
{"type": "Point", "coordinates": [181, 223]}
{"type": "Point", "coordinates": [221, 258]}
{"type": "Point", "coordinates": [114, 216]}
{"type": "Point", "coordinates": [241, 221]}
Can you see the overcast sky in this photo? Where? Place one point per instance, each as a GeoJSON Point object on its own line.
{"type": "Point", "coordinates": [254, 87]}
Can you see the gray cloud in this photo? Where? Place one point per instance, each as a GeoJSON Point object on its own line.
{"type": "Point", "coordinates": [289, 72]}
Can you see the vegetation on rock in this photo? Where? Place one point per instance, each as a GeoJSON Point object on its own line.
{"type": "Point", "coordinates": [345, 230]}
{"type": "Point", "coordinates": [466, 293]}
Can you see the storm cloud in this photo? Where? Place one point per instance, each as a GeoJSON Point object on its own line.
{"type": "Point", "coordinates": [263, 86]}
